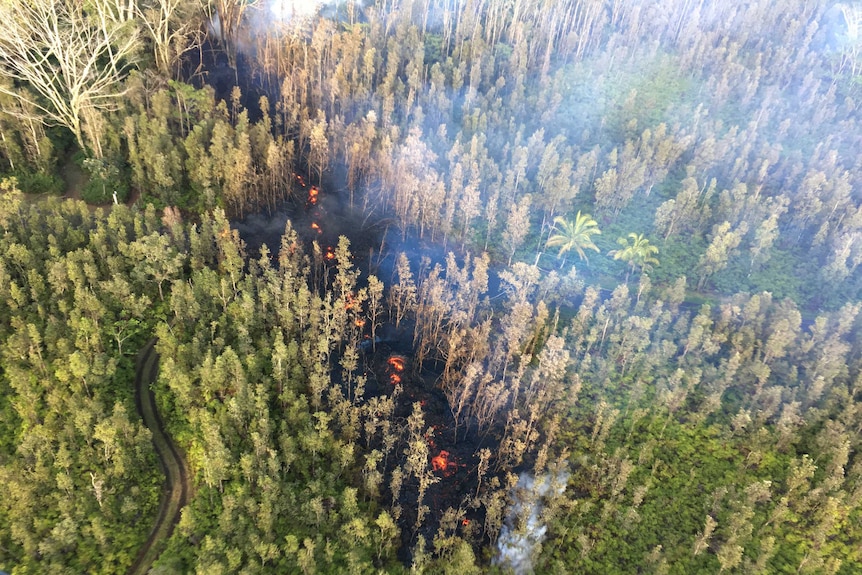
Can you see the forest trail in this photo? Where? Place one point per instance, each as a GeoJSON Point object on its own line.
{"type": "Point", "coordinates": [74, 179]}
{"type": "Point", "coordinates": [177, 489]}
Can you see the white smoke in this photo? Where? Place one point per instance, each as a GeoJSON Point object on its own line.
{"type": "Point", "coordinates": [296, 11]}
{"type": "Point", "coordinates": [522, 535]}
{"type": "Point", "coordinates": [290, 10]}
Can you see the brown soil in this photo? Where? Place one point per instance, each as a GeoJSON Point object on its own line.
{"type": "Point", "coordinates": [74, 178]}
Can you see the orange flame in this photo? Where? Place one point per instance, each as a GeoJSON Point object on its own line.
{"type": "Point", "coordinates": [359, 322]}
{"type": "Point", "coordinates": [330, 254]}
{"type": "Point", "coordinates": [396, 366]}
{"type": "Point", "coordinates": [316, 227]}
{"type": "Point", "coordinates": [465, 522]}
{"type": "Point", "coordinates": [300, 180]}
{"type": "Point", "coordinates": [312, 195]}
{"type": "Point", "coordinates": [442, 463]}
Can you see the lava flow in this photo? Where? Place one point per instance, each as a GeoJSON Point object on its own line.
{"type": "Point", "coordinates": [396, 367]}
{"type": "Point", "coordinates": [442, 463]}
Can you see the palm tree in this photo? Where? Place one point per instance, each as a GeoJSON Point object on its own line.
{"type": "Point", "coordinates": [573, 235]}
{"type": "Point", "coordinates": [639, 253]}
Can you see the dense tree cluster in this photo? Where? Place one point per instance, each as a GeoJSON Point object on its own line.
{"type": "Point", "coordinates": [247, 380]}
{"type": "Point", "coordinates": [81, 481]}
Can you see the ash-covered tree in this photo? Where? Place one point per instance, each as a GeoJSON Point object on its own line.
{"type": "Point", "coordinates": [402, 295]}
{"type": "Point", "coordinates": [318, 155]}
{"type": "Point", "coordinates": [517, 226]}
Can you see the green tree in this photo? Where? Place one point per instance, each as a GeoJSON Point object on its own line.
{"type": "Point", "coordinates": [155, 258]}
{"type": "Point", "coordinates": [573, 235]}
{"type": "Point", "coordinates": [639, 254]}
{"type": "Point", "coordinates": [723, 245]}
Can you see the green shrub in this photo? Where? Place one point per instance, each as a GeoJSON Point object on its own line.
{"type": "Point", "coordinates": [98, 191]}
{"type": "Point", "coordinates": [39, 182]}
{"type": "Point", "coordinates": [106, 178]}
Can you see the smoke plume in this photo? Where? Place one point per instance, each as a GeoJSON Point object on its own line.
{"type": "Point", "coordinates": [521, 537]}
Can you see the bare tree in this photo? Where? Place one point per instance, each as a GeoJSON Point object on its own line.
{"type": "Point", "coordinates": [173, 27]}
{"type": "Point", "coordinates": [71, 55]}
{"type": "Point", "coordinates": [226, 16]}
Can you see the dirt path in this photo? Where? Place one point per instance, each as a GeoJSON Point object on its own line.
{"type": "Point", "coordinates": [176, 489]}
{"type": "Point", "coordinates": [74, 179]}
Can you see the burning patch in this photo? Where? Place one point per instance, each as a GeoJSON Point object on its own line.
{"type": "Point", "coordinates": [396, 363]}
{"type": "Point", "coordinates": [395, 368]}
{"type": "Point", "coordinates": [444, 463]}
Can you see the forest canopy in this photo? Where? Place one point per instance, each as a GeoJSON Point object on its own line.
{"type": "Point", "coordinates": [570, 286]}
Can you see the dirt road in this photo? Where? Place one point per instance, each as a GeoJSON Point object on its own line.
{"type": "Point", "coordinates": [176, 490]}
